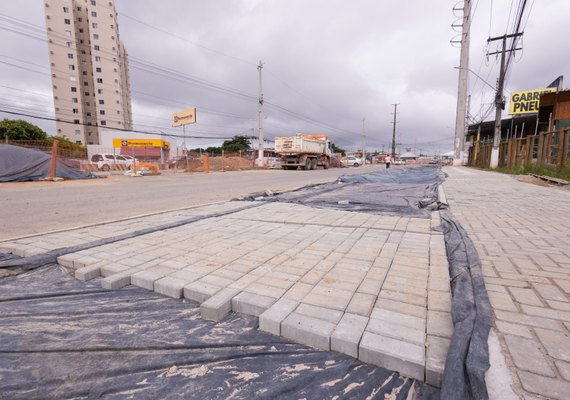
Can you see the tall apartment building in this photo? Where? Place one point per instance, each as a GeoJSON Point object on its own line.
{"type": "Point", "coordinates": [89, 67]}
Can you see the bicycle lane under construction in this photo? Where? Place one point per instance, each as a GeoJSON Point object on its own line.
{"type": "Point", "coordinates": [322, 266]}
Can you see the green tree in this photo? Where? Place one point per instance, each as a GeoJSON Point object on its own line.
{"type": "Point", "coordinates": [336, 149]}
{"type": "Point", "coordinates": [18, 129]}
{"type": "Point", "coordinates": [214, 150]}
{"type": "Point", "coordinates": [237, 143]}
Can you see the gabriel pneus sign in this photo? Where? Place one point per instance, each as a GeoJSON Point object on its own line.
{"type": "Point", "coordinates": [527, 101]}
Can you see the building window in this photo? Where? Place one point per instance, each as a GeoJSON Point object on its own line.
{"type": "Point", "coordinates": [98, 69]}
{"type": "Point", "coordinates": [88, 114]}
{"type": "Point", "coordinates": [96, 36]}
{"type": "Point", "coordinates": [67, 21]}
{"type": "Point", "coordinates": [97, 58]}
{"type": "Point", "coordinates": [76, 110]}
{"type": "Point", "coordinates": [78, 8]}
{"type": "Point", "coordinates": [84, 73]}
{"type": "Point", "coordinates": [100, 91]}
{"type": "Point", "coordinates": [68, 44]}
{"type": "Point", "coordinates": [94, 25]}
{"type": "Point", "coordinates": [81, 41]}
{"type": "Point", "coordinates": [65, 9]}
{"type": "Point", "coordinates": [99, 80]}
{"type": "Point", "coordinates": [72, 67]}
{"type": "Point", "coordinates": [74, 99]}
{"type": "Point", "coordinates": [101, 101]}
{"type": "Point", "coordinates": [85, 83]}
{"type": "Point", "coordinates": [102, 112]}
{"type": "Point", "coordinates": [76, 121]}
{"type": "Point", "coordinates": [118, 112]}
{"type": "Point", "coordinates": [73, 89]}
{"type": "Point", "coordinates": [96, 47]}
{"type": "Point", "coordinates": [87, 94]}
{"type": "Point", "coordinates": [103, 122]}
{"type": "Point", "coordinates": [83, 52]}
{"type": "Point", "coordinates": [70, 56]}
{"type": "Point", "coordinates": [93, 3]}
{"type": "Point", "coordinates": [80, 30]}
{"type": "Point", "coordinates": [72, 78]}
{"type": "Point", "coordinates": [68, 33]}
{"type": "Point", "coordinates": [77, 131]}
{"type": "Point", "coordinates": [79, 19]}
{"type": "Point", "coordinates": [93, 13]}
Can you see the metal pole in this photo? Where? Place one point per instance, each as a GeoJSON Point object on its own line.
{"type": "Point", "coordinates": [459, 147]}
{"type": "Point", "coordinates": [260, 151]}
{"type": "Point", "coordinates": [363, 142]}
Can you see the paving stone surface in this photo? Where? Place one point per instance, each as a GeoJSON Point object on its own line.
{"type": "Point", "coordinates": [371, 286]}
{"type": "Point", "coordinates": [522, 234]}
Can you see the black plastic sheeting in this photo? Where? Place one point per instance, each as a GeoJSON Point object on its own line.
{"type": "Point", "coordinates": [468, 355]}
{"type": "Point", "coordinates": [396, 191]}
{"type": "Point", "coordinates": [19, 164]}
{"type": "Point", "coordinates": [61, 339]}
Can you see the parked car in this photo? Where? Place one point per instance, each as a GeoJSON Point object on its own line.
{"type": "Point", "coordinates": [353, 161]}
{"type": "Point", "coordinates": [398, 161]}
{"type": "Point", "coordinates": [274, 162]}
{"type": "Point", "coordinates": [105, 162]}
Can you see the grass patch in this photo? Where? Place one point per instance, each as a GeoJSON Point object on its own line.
{"type": "Point", "coordinates": [537, 170]}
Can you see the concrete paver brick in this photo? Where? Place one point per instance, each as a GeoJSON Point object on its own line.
{"type": "Point", "coordinates": [146, 278]}
{"type": "Point", "coordinates": [87, 273]}
{"type": "Point", "coordinates": [347, 334]}
{"type": "Point", "coordinates": [270, 320]}
{"type": "Point", "coordinates": [502, 301]}
{"type": "Point", "coordinates": [169, 286]}
{"type": "Point", "coordinates": [525, 296]}
{"type": "Point", "coordinates": [550, 387]}
{"type": "Point", "coordinates": [404, 297]}
{"type": "Point", "coordinates": [393, 354]}
{"type": "Point", "coordinates": [439, 323]}
{"type": "Point", "coordinates": [557, 344]}
{"type": "Point", "coordinates": [407, 320]}
{"type": "Point", "coordinates": [251, 303]}
{"type": "Point", "coordinates": [219, 305]}
{"type": "Point", "coordinates": [84, 261]}
{"type": "Point", "coordinates": [401, 307]}
{"type": "Point", "coordinates": [326, 314]}
{"type": "Point", "coordinates": [550, 292]}
{"type": "Point", "coordinates": [116, 281]}
{"type": "Point", "coordinates": [308, 330]}
{"type": "Point", "coordinates": [200, 291]}
{"type": "Point", "coordinates": [436, 353]}
{"type": "Point", "coordinates": [524, 319]}
{"type": "Point", "coordinates": [361, 304]}
{"type": "Point", "coordinates": [298, 291]}
{"type": "Point", "coordinates": [391, 328]}
{"type": "Point", "coordinates": [113, 268]}
{"type": "Point", "coordinates": [514, 329]}
{"type": "Point", "coordinates": [527, 355]}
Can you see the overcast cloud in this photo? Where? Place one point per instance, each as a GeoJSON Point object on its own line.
{"type": "Point", "coordinates": [331, 61]}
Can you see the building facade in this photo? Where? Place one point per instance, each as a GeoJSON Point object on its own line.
{"type": "Point", "coordinates": [89, 69]}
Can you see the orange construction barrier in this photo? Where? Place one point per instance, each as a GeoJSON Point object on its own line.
{"type": "Point", "coordinates": [206, 163]}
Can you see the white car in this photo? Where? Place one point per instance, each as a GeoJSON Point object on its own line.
{"type": "Point", "coordinates": [105, 162]}
{"type": "Point", "coordinates": [353, 161]}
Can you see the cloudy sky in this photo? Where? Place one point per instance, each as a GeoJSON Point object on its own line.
{"type": "Point", "coordinates": [327, 64]}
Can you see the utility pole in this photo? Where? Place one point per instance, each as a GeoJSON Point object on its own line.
{"type": "Point", "coordinates": [459, 147]}
{"type": "Point", "coordinates": [394, 132]}
{"type": "Point", "coordinates": [363, 142]}
{"type": "Point", "coordinates": [260, 152]}
{"type": "Point", "coordinates": [499, 101]}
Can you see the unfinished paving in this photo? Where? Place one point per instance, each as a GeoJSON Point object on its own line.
{"type": "Point", "coordinates": [521, 232]}
{"type": "Point", "coordinates": [375, 287]}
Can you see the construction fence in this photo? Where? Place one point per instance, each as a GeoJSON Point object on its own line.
{"type": "Point", "coordinates": [549, 149]}
{"type": "Point", "coordinates": [77, 157]}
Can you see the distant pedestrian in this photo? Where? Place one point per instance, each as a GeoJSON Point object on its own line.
{"type": "Point", "coordinates": [388, 161]}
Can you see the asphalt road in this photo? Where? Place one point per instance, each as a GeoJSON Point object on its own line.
{"type": "Point", "coordinates": [30, 208]}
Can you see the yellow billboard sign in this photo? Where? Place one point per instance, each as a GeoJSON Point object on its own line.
{"type": "Point", "coordinates": [527, 101]}
{"type": "Point", "coordinates": [117, 143]}
{"type": "Point", "coordinates": [184, 117]}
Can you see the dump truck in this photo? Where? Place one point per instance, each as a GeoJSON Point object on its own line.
{"type": "Point", "coordinates": [305, 151]}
